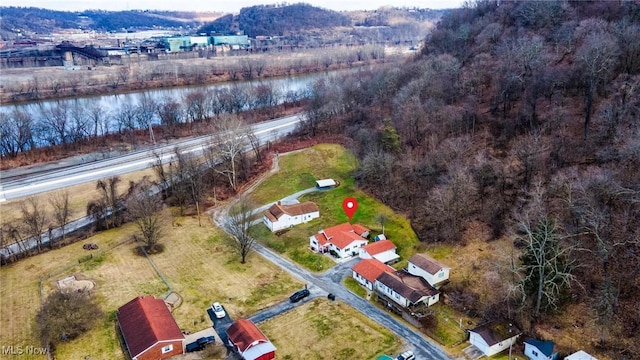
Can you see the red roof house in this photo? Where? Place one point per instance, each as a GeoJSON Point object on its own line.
{"type": "Point", "coordinates": [344, 239]}
{"type": "Point", "coordinates": [383, 251]}
{"type": "Point", "coordinates": [149, 330]}
{"type": "Point", "coordinates": [367, 271]}
{"type": "Point", "coordinates": [249, 341]}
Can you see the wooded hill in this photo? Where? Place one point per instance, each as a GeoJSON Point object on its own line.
{"type": "Point", "coordinates": [517, 119]}
{"type": "Point", "coordinates": [31, 20]}
{"type": "Point", "coordinates": [272, 20]}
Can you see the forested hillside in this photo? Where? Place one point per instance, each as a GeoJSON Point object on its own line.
{"type": "Point", "coordinates": [272, 20]}
{"type": "Point", "coordinates": [20, 21]}
{"type": "Point", "coordinates": [521, 119]}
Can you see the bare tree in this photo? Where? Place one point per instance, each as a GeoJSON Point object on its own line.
{"type": "Point", "coordinates": [382, 219]}
{"type": "Point", "coordinates": [34, 217]}
{"type": "Point", "coordinates": [61, 213]}
{"type": "Point", "coordinates": [237, 224]}
{"type": "Point", "coordinates": [545, 268]}
{"type": "Point", "coordinates": [597, 58]}
{"type": "Point", "coordinates": [144, 206]}
{"type": "Point", "coordinates": [108, 208]}
{"type": "Point", "coordinates": [229, 142]}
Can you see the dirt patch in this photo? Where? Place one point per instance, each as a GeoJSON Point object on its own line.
{"type": "Point", "coordinates": [75, 284]}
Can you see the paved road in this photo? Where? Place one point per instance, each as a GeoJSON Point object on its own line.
{"type": "Point", "coordinates": [23, 182]}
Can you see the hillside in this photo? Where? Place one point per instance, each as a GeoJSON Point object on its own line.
{"type": "Point", "coordinates": [21, 21]}
{"type": "Point", "coordinates": [518, 121]}
{"type": "Point", "coordinates": [272, 20]}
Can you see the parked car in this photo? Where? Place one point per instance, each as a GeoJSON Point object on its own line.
{"type": "Point", "coordinates": [218, 310]}
{"type": "Point", "coordinates": [299, 295]}
{"type": "Point", "coordinates": [199, 344]}
{"type": "Point", "coordinates": [407, 355]}
{"type": "Point", "coordinates": [205, 340]}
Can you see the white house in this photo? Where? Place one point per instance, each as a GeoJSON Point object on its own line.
{"type": "Point", "coordinates": [428, 268]}
{"type": "Point", "coordinates": [580, 355]}
{"type": "Point", "coordinates": [280, 216]}
{"type": "Point", "coordinates": [405, 289]}
{"type": "Point", "coordinates": [344, 239]}
{"type": "Point", "coordinates": [539, 350]}
{"type": "Point", "coordinates": [367, 271]}
{"type": "Point", "coordinates": [383, 251]}
{"type": "Point", "coordinates": [493, 338]}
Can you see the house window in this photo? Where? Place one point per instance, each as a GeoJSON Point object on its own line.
{"type": "Point", "coordinates": [535, 353]}
{"type": "Point", "coordinates": [441, 274]}
{"type": "Point", "coordinates": [167, 348]}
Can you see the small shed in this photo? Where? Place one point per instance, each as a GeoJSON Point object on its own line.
{"type": "Point", "coordinates": [326, 184]}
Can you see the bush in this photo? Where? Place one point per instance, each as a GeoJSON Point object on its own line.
{"type": "Point", "coordinates": [66, 315]}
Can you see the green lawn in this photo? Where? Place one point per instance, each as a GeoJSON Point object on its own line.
{"type": "Point", "coordinates": [355, 287]}
{"type": "Point", "coordinates": [299, 171]}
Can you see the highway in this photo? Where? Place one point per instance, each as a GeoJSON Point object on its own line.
{"type": "Point", "coordinates": [15, 187]}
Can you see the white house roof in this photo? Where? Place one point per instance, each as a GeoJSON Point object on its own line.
{"type": "Point", "coordinates": [326, 182]}
{"type": "Point", "coordinates": [386, 256]}
{"type": "Point", "coordinates": [580, 355]}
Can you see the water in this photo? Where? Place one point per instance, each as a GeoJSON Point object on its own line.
{"type": "Point", "coordinates": [53, 122]}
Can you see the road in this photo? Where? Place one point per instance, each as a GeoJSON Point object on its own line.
{"type": "Point", "coordinates": [18, 183]}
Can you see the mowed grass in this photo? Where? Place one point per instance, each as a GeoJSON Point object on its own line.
{"type": "Point", "coordinates": [323, 329]}
{"type": "Point", "coordinates": [79, 196]}
{"type": "Point", "coordinates": [327, 161]}
{"type": "Point", "coordinates": [299, 170]}
{"type": "Point", "coordinates": [196, 262]}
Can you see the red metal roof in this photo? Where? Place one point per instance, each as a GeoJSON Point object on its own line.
{"type": "Point", "coordinates": [342, 235]}
{"type": "Point", "coordinates": [379, 247]}
{"type": "Point", "coordinates": [370, 269]}
{"type": "Point", "coordinates": [145, 321]}
{"type": "Point", "coordinates": [243, 333]}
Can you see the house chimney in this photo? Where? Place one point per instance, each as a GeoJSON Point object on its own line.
{"type": "Point", "coordinates": [279, 203]}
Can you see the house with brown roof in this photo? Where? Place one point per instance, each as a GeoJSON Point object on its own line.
{"type": "Point", "coordinates": [344, 239]}
{"type": "Point", "coordinates": [280, 216]}
{"type": "Point", "coordinates": [405, 289]}
{"type": "Point", "coordinates": [382, 250]}
{"type": "Point", "coordinates": [249, 342]}
{"type": "Point", "coordinates": [436, 273]}
{"type": "Point", "coordinates": [494, 337]}
{"type": "Point", "coordinates": [367, 271]}
{"type": "Point", "coordinates": [149, 330]}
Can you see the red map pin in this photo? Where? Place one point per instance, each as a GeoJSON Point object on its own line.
{"type": "Point", "coordinates": [350, 205]}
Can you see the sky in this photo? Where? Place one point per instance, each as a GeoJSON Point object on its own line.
{"type": "Point", "coordinates": [232, 6]}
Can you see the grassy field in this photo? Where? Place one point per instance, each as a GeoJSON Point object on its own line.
{"type": "Point", "coordinates": [79, 196]}
{"type": "Point", "coordinates": [196, 262]}
{"type": "Point", "coordinates": [299, 171]}
{"type": "Point", "coordinates": [323, 329]}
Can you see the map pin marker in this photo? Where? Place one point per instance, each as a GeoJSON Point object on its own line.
{"type": "Point", "coordinates": [350, 205]}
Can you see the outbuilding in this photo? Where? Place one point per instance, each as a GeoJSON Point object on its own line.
{"type": "Point", "coordinates": [249, 342]}
{"type": "Point", "coordinates": [149, 330]}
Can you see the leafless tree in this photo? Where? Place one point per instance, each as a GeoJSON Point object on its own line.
{"type": "Point", "coordinates": [107, 210]}
{"type": "Point", "coordinates": [34, 217]}
{"type": "Point", "coordinates": [229, 142]}
{"type": "Point", "coordinates": [597, 57]}
{"type": "Point", "coordinates": [144, 206]}
{"type": "Point", "coordinates": [545, 269]}
{"type": "Point", "coordinates": [237, 224]}
{"type": "Point", "coordinates": [55, 118]}
{"type": "Point", "coordinates": [61, 212]}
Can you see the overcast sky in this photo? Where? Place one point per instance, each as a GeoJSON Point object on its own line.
{"type": "Point", "coordinates": [222, 5]}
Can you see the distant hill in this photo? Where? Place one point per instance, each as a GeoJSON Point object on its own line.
{"type": "Point", "coordinates": [278, 20]}
{"type": "Point", "coordinates": [20, 21]}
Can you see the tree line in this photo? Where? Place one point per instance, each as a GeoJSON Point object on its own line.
{"type": "Point", "coordinates": [519, 117]}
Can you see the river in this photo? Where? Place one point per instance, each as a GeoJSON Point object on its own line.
{"type": "Point", "coordinates": [98, 115]}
